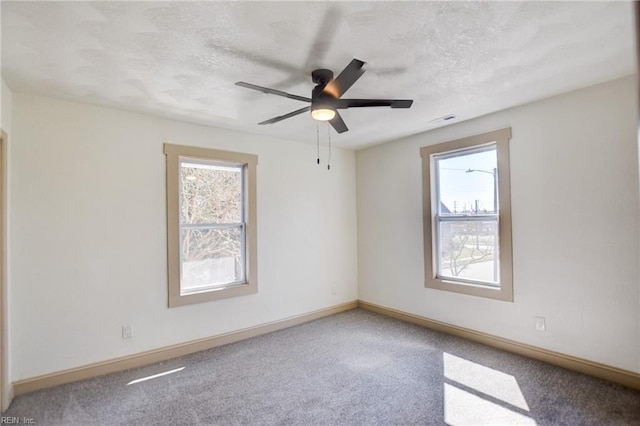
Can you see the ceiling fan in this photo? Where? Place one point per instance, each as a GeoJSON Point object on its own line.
{"type": "Point", "coordinates": [326, 96]}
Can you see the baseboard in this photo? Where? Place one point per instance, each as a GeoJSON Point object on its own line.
{"type": "Point", "coordinates": [602, 371]}
{"type": "Point", "coordinates": [150, 357]}
{"type": "Point", "coordinates": [613, 374]}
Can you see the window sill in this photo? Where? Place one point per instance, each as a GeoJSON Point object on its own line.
{"type": "Point", "coordinates": [212, 294]}
{"type": "Point", "coordinates": [478, 290]}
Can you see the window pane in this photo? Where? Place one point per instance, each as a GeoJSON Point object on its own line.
{"type": "Point", "coordinates": [467, 250]}
{"type": "Point", "coordinates": [467, 182]}
{"type": "Point", "coordinates": [210, 193]}
{"type": "Point", "coordinates": [211, 257]}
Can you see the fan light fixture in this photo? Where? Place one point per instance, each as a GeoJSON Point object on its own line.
{"type": "Point", "coordinates": [323, 114]}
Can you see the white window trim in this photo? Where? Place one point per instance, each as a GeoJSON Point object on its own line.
{"type": "Point", "coordinates": [505, 290]}
{"type": "Point", "coordinates": [249, 162]}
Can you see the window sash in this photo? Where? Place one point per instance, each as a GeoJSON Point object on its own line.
{"type": "Point", "coordinates": [208, 226]}
{"type": "Point", "coordinates": [435, 166]}
{"type": "Point", "coordinates": [242, 169]}
{"type": "Point", "coordinates": [464, 218]}
{"type": "Point", "coordinates": [438, 220]}
{"type": "Point", "coordinates": [243, 255]}
{"type": "Point", "coordinates": [211, 225]}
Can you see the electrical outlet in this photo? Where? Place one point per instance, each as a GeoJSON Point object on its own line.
{"type": "Point", "coordinates": [127, 331]}
{"type": "Point", "coordinates": [541, 325]}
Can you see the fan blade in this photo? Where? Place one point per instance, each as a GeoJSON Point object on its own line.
{"type": "Point", "coordinates": [345, 80]}
{"type": "Point", "coordinates": [338, 123]}
{"type": "Point", "coordinates": [272, 91]}
{"type": "Point", "coordinates": [361, 103]}
{"type": "Point", "coordinates": [283, 117]}
{"type": "Point", "coordinates": [325, 35]}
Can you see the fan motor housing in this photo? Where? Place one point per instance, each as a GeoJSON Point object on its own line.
{"type": "Point", "coordinates": [322, 76]}
{"type": "Point", "coordinates": [321, 99]}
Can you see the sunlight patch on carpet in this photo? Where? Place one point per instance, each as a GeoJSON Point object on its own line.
{"type": "Point", "coordinates": [475, 394]}
{"type": "Point", "coordinates": [154, 376]}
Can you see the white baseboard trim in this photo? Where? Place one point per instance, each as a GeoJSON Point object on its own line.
{"type": "Point", "coordinates": [157, 355]}
{"type": "Point", "coordinates": [602, 371]}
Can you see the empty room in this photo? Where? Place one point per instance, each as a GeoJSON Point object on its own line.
{"type": "Point", "coordinates": [327, 213]}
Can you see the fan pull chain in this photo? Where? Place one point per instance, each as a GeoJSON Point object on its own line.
{"type": "Point", "coordinates": [329, 137]}
{"type": "Point", "coordinates": [318, 140]}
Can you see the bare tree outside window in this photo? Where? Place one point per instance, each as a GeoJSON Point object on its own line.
{"type": "Point", "coordinates": [465, 244]}
{"type": "Point", "coordinates": [211, 222]}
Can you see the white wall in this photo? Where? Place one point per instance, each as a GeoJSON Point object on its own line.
{"type": "Point", "coordinates": [89, 234]}
{"type": "Point", "coordinates": [6, 108]}
{"type": "Point", "coordinates": [6, 117]}
{"type": "Point", "coordinates": [574, 176]}
{"type": "Point", "coordinates": [88, 238]}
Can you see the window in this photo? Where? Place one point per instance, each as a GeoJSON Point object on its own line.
{"type": "Point", "coordinates": [211, 224]}
{"type": "Point", "coordinates": [467, 215]}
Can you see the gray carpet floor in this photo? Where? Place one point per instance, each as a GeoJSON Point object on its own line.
{"type": "Point", "coordinates": [354, 368]}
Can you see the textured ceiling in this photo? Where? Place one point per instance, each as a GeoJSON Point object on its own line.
{"type": "Point", "coordinates": [181, 59]}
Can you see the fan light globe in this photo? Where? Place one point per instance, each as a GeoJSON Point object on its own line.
{"type": "Point", "coordinates": [323, 114]}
